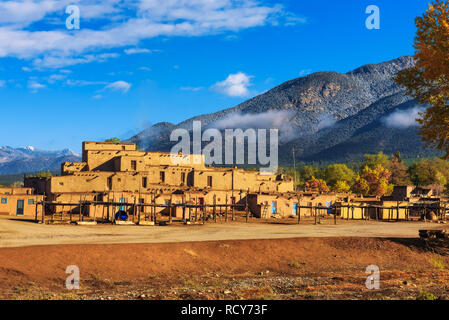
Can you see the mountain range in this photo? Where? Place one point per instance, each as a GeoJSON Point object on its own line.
{"type": "Point", "coordinates": [325, 116]}
{"type": "Point", "coordinates": [30, 159]}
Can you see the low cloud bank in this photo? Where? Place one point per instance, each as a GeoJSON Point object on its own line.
{"type": "Point", "coordinates": [326, 121]}
{"type": "Point", "coordinates": [266, 120]}
{"type": "Point", "coordinates": [403, 119]}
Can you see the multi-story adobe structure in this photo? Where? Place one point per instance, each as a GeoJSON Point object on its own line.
{"type": "Point", "coordinates": [118, 172]}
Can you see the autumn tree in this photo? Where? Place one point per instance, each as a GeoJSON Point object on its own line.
{"type": "Point", "coordinates": [373, 181]}
{"type": "Point", "coordinates": [399, 171]}
{"type": "Point", "coordinates": [315, 184]}
{"type": "Point", "coordinates": [428, 80]}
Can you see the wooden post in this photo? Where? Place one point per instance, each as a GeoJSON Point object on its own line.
{"type": "Point", "coordinates": [43, 211]}
{"type": "Point", "coordinates": [226, 209]}
{"type": "Point", "coordinates": [335, 215]}
{"type": "Point", "coordinates": [139, 210]}
{"type": "Point", "coordinates": [247, 208]}
{"type": "Point", "coordinates": [79, 207]}
{"type": "Point", "coordinates": [232, 208]}
{"type": "Point", "coordinates": [314, 209]}
{"type": "Point", "coordinates": [214, 210]}
{"type": "Point", "coordinates": [35, 212]}
{"type": "Point", "coordinates": [397, 212]}
{"type": "Point", "coordinates": [171, 212]}
{"type": "Point", "coordinates": [190, 213]}
{"type": "Point", "coordinates": [204, 207]}
{"type": "Point", "coordinates": [196, 209]}
{"type": "Point", "coordinates": [298, 211]}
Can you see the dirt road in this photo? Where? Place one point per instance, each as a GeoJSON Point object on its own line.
{"type": "Point", "coordinates": [17, 233]}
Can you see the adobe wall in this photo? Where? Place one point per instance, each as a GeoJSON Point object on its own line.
{"type": "Point", "coordinates": [9, 203]}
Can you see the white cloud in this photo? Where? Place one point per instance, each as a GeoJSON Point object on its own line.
{"type": "Point", "coordinates": [145, 69]}
{"type": "Point", "coordinates": [82, 83]}
{"type": "Point", "coordinates": [122, 86]}
{"type": "Point", "coordinates": [97, 96]}
{"type": "Point", "coordinates": [34, 86]}
{"type": "Point", "coordinates": [58, 61]}
{"type": "Point", "coordinates": [137, 50]}
{"type": "Point", "coordinates": [305, 72]}
{"type": "Point", "coordinates": [126, 25]}
{"type": "Point", "coordinates": [2, 83]}
{"type": "Point", "coordinates": [235, 85]}
{"type": "Point", "coordinates": [56, 77]}
{"type": "Point", "coordinates": [192, 88]}
{"type": "Point", "coordinates": [403, 119]}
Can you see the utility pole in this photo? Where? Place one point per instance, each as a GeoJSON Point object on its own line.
{"type": "Point", "coordinates": [294, 168]}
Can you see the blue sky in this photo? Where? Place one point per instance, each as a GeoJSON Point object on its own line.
{"type": "Point", "coordinates": [136, 63]}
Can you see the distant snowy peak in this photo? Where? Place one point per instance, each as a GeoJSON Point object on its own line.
{"type": "Point", "coordinates": [31, 159]}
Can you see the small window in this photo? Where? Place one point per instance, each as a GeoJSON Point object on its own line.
{"type": "Point", "coordinates": [30, 201]}
{"type": "Point", "coordinates": [209, 181]}
{"type": "Point", "coordinates": [162, 176]}
{"type": "Point", "coordinates": [183, 177]}
{"type": "Point", "coordinates": [133, 165]}
{"type": "Point", "coordinates": [4, 201]}
{"type": "Point", "coordinates": [110, 182]}
{"type": "Point", "coordinates": [144, 182]}
{"type": "Point", "coordinates": [61, 183]}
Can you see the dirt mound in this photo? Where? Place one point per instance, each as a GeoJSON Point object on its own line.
{"type": "Point", "coordinates": [129, 264]}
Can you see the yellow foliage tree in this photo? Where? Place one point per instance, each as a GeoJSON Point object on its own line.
{"type": "Point", "coordinates": [428, 80]}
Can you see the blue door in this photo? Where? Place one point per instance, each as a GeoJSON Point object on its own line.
{"type": "Point", "coordinates": [295, 205]}
{"type": "Point", "coordinates": [121, 200]}
{"type": "Point", "coordinates": [20, 206]}
{"type": "Point", "coordinates": [329, 205]}
{"type": "Point", "coordinates": [273, 207]}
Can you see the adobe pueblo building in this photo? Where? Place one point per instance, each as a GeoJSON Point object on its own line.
{"type": "Point", "coordinates": [115, 182]}
{"type": "Point", "coordinates": [118, 177]}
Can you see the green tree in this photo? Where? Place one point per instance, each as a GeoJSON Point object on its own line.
{"type": "Point", "coordinates": [308, 172]}
{"type": "Point", "coordinates": [373, 160]}
{"type": "Point", "coordinates": [42, 174]}
{"type": "Point", "coordinates": [430, 172]}
{"type": "Point", "coordinates": [428, 80]}
{"type": "Point", "coordinates": [114, 139]}
{"type": "Point", "coordinates": [338, 172]}
{"type": "Point", "coordinates": [341, 187]}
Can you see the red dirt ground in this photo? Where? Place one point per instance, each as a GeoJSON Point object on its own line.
{"type": "Point", "coordinates": [311, 268]}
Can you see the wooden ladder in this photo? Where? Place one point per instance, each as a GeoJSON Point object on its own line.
{"type": "Point", "coordinates": [265, 212]}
